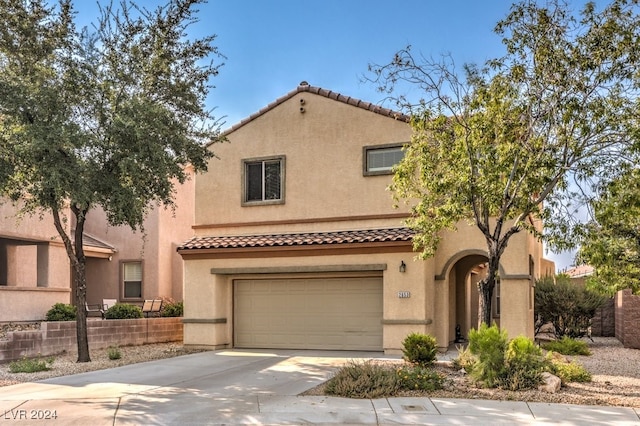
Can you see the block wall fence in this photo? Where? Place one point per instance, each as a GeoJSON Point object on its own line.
{"type": "Point", "coordinates": [628, 319]}
{"type": "Point", "coordinates": [58, 336]}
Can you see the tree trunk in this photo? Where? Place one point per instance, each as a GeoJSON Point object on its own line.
{"type": "Point", "coordinates": [81, 291]}
{"type": "Point", "coordinates": [75, 252]}
{"type": "Point", "coordinates": [485, 289]}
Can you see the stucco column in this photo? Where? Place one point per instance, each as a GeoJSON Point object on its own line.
{"type": "Point", "coordinates": [516, 307]}
{"type": "Point", "coordinates": [207, 315]}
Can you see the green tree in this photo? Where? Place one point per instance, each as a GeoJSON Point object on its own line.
{"type": "Point", "coordinates": [567, 306]}
{"type": "Point", "coordinates": [519, 140]}
{"type": "Point", "coordinates": [612, 239]}
{"type": "Point", "coordinates": [107, 118]}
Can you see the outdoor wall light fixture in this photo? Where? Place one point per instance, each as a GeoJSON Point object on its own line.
{"type": "Point", "coordinates": [403, 266]}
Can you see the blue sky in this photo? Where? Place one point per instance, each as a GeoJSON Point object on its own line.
{"type": "Point", "coordinates": [271, 46]}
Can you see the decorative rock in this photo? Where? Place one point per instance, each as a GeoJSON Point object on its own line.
{"type": "Point", "coordinates": [551, 383]}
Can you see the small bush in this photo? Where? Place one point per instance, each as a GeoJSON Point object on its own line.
{"type": "Point", "coordinates": [30, 365]}
{"type": "Point", "coordinates": [524, 365]}
{"type": "Point", "coordinates": [488, 344]}
{"type": "Point", "coordinates": [364, 380]}
{"type": "Point", "coordinates": [113, 352]}
{"type": "Point", "coordinates": [465, 360]}
{"type": "Point", "coordinates": [123, 311]}
{"type": "Point", "coordinates": [567, 371]}
{"type": "Point", "coordinates": [567, 346]}
{"type": "Point", "coordinates": [420, 348]}
{"type": "Point", "coordinates": [418, 377]}
{"type": "Point", "coordinates": [61, 312]}
{"type": "Point", "coordinates": [172, 309]}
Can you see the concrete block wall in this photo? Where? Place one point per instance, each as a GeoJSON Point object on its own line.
{"type": "Point", "coordinates": [603, 323]}
{"type": "Point", "coordinates": [627, 327]}
{"type": "Point", "coordinates": [55, 337]}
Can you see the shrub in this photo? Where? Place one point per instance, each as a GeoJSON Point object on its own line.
{"type": "Point", "coordinates": [568, 346]}
{"type": "Point", "coordinates": [172, 309]}
{"type": "Point", "coordinates": [568, 307]}
{"type": "Point", "coordinates": [30, 365]}
{"type": "Point", "coordinates": [123, 311]}
{"type": "Point", "coordinates": [488, 345]}
{"type": "Point", "coordinates": [420, 348]}
{"type": "Point", "coordinates": [419, 377]}
{"type": "Point", "coordinates": [567, 371]}
{"type": "Point", "coordinates": [113, 352]}
{"type": "Point", "coordinates": [465, 360]}
{"type": "Point", "coordinates": [524, 365]}
{"type": "Point", "coordinates": [61, 312]}
{"type": "Point", "coordinates": [364, 380]}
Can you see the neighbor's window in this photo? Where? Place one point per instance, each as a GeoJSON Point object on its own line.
{"type": "Point", "coordinates": [263, 181]}
{"type": "Point", "coordinates": [379, 160]}
{"type": "Point", "coordinates": [132, 280]}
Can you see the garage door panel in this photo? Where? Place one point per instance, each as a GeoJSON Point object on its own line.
{"type": "Point", "coordinates": [332, 313]}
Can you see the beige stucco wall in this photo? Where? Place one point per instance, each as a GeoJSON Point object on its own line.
{"type": "Point", "coordinates": [324, 178]}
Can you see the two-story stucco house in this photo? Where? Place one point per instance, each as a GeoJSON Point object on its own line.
{"type": "Point", "coordinates": [298, 244]}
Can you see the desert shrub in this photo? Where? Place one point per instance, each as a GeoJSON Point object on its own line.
{"type": "Point", "coordinates": [465, 359]}
{"type": "Point", "coordinates": [172, 309]}
{"type": "Point", "coordinates": [488, 345]}
{"type": "Point", "coordinates": [30, 365]}
{"type": "Point", "coordinates": [61, 312]}
{"type": "Point", "coordinates": [113, 352]}
{"type": "Point", "coordinates": [420, 348]}
{"type": "Point", "coordinates": [123, 311]}
{"type": "Point", "coordinates": [364, 380]}
{"type": "Point", "coordinates": [567, 346]}
{"type": "Point", "coordinates": [524, 365]}
{"type": "Point", "coordinates": [567, 306]}
{"type": "Point", "coordinates": [419, 377]}
{"type": "Point", "coordinates": [568, 371]}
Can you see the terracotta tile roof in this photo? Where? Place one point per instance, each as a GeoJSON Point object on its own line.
{"type": "Point", "coordinates": [580, 271]}
{"type": "Point", "coordinates": [305, 87]}
{"type": "Point", "coordinates": [301, 239]}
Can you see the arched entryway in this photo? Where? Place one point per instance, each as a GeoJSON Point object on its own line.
{"type": "Point", "coordinates": [460, 277]}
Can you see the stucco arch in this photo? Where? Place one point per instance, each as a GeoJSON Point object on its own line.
{"type": "Point", "coordinates": [461, 255]}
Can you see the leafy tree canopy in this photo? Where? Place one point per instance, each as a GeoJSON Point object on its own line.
{"type": "Point", "coordinates": [612, 239]}
{"type": "Point", "coordinates": [524, 137]}
{"type": "Point", "coordinates": [104, 117]}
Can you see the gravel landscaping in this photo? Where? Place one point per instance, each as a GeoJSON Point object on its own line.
{"type": "Point", "coordinates": [615, 371]}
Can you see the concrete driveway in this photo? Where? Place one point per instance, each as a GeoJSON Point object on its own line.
{"type": "Point", "coordinates": [256, 387]}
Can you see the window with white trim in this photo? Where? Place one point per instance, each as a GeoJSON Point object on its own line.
{"type": "Point", "coordinates": [132, 280]}
{"type": "Point", "coordinates": [263, 181]}
{"type": "Point", "coordinates": [379, 160]}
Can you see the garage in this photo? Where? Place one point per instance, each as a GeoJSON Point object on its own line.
{"type": "Point", "coordinates": [332, 313]}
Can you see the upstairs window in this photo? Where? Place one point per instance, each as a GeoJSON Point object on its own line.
{"type": "Point", "coordinates": [379, 160]}
{"type": "Point", "coordinates": [263, 181]}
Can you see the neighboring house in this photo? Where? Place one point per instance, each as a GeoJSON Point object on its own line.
{"type": "Point", "coordinates": [35, 272]}
{"type": "Point", "coordinates": [34, 268]}
{"type": "Point", "coordinates": [579, 274]}
{"type": "Point", "coordinates": [143, 265]}
{"type": "Point", "coordinates": [298, 244]}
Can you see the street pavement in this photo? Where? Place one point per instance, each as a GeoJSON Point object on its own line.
{"type": "Point", "coordinates": [258, 387]}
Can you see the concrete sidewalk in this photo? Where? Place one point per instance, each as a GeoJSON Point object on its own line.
{"type": "Point", "coordinates": [258, 387]}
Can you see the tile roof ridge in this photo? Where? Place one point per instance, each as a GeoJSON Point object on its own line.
{"type": "Point", "coordinates": [306, 87]}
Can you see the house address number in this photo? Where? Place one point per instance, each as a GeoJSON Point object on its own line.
{"type": "Point", "coordinates": [404, 294]}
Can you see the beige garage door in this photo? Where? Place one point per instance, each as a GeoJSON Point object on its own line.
{"type": "Point", "coordinates": [331, 313]}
